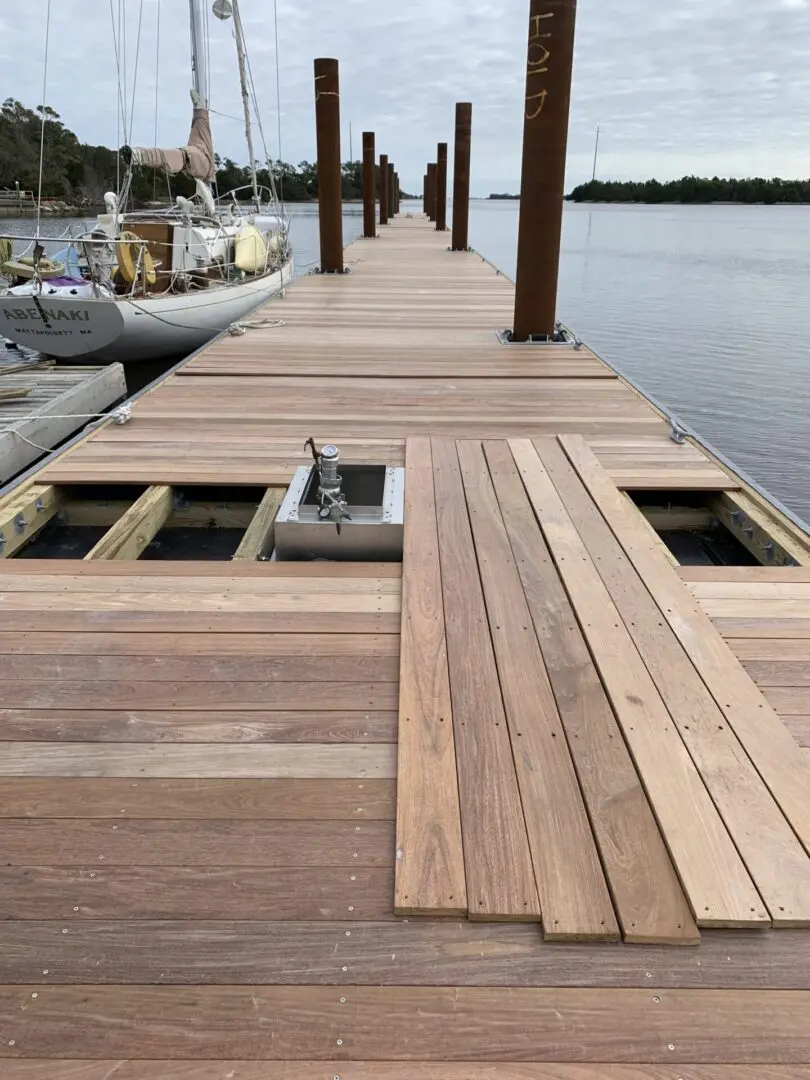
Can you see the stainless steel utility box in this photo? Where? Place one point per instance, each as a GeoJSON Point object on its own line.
{"type": "Point", "coordinates": [375, 496]}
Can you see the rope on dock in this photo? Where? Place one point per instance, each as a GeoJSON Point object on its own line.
{"type": "Point", "coordinates": [121, 415]}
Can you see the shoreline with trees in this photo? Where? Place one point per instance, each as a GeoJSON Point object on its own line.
{"type": "Point", "coordinates": [77, 175]}
{"type": "Point", "coordinates": [692, 190]}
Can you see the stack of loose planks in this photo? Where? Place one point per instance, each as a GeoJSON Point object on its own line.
{"type": "Point", "coordinates": [577, 744]}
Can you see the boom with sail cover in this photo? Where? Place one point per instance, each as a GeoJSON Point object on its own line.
{"type": "Point", "coordinates": [196, 158]}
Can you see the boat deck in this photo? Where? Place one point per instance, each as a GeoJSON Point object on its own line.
{"type": "Point", "coordinates": [533, 804]}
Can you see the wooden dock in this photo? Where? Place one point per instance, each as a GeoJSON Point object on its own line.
{"type": "Point", "coordinates": [532, 805]}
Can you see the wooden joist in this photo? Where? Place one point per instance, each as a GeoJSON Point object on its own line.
{"type": "Point", "coordinates": [23, 513]}
{"type": "Point", "coordinates": [259, 537]}
{"type": "Point", "coordinates": [429, 860]}
{"type": "Point", "coordinates": [132, 534]}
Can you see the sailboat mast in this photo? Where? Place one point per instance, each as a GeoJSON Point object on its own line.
{"type": "Point", "coordinates": [240, 52]}
{"type": "Point", "coordinates": [199, 68]}
{"type": "Point", "coordinates": [595, 153]}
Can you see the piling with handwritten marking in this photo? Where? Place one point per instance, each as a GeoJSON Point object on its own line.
{"type": "Point", "coordinates": [369, 186]}
{"type": "Point", "coordinates": [383, 189]}
{"type": "Point", "coordinates": [461, 176]}
{"type": "Point", "coordinates": [545, 138]}
{"type": "Point", "coordinates": [392, 196]}
{"type": "Point", "coordinates": [441, 187]}
{"type": "Point", "coordinates": [330, 193]}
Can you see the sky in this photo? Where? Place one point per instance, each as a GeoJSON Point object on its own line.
{"type": "Point", "coordinates": [711, 87]}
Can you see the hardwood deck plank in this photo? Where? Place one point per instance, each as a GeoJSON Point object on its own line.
{"type": "Point", "coordinates": [66, 797]}
{"type": "Point", "coordinates": [574, 897]}
{"type": "Point", "coordinates": [191, 622]}
{"type": "Point", "coordinates": [209, 842]}
{"type": "Point", "coordinates": [387, 1070]}
{"type": "Point", "coordinates": [166, 667]}
{"type": "Point", "coordinates": [430, 858]}
{"type": "Point", "coordinates": [716, 882]}
{"type": "Point", "coordinates": [776, 860]}
{"type": "Point", "coordinates": [498, 866]}
{"type": "Point", "coordinates": [224, 696]}
{"type": "Point", "coordinates": [88, 644]}
{"type": "Point", "coordinates": [339, 952]}
{"type": "Point", "coordinates": [274, 761]}
{"type": "Point", "coordinates": [406, 1024]}
{"type": "Point", "coordinates": [193, 893]}
{"type": "Point", "coordinates": [649, 899]}
{"type": "Point", "coordinates": [179, 726]}
{"type": "Point", "coordinates": [72, 568]}
{"type": "Point", "coordinates": [757, 726]}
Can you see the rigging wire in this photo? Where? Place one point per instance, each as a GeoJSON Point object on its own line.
{"type": "Point", "coordinates": [278, 105]}
{"type": "Point", "coordinates": [116, 31]}
{"type": "Point", "coordinates": [257, 113]}
{"type": "Point", "coordinates": [44, 118]}
{"type": "Point", "coordinates": [157, 98]}
{"type": "Point", "coordinates": [135, 76]}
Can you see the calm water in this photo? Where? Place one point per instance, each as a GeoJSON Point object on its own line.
{"type": "Point", "coordinates": [705, 307]}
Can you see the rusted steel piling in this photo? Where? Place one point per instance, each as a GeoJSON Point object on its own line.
{"type": "Point", "coordinates": [383, 189]}
{"type": "Point", "coordinates": [369, 186]}
{"type": "Point", "coordinates": [441, 187]}
{"type": "Point", "coordinates": [545, 138]}
{"type": "Point", "coordinates": [330, 193]}
{"type": "Point", "coordinates": [431, 190]}
{"type": "Point", "coordinates": [392, 191]}
{"type": "Point", "coordinates": [461, 176]}
{"type": "Point", "coordinates": [424, 194]}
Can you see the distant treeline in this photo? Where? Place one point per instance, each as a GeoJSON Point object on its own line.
{"type": "Point", "coordinates": [694, 189]}
{"type": "Point", "coordinates": [80, 174]}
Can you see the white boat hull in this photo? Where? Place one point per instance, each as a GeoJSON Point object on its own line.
{"type": "Point", "coordinates": [130, 330]}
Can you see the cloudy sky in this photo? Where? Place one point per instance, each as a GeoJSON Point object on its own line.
{"type": "Point", "coordinates": [678, 86]}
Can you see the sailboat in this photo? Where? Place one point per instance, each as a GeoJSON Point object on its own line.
{"type": "Point", "coordinates": [152, 284]}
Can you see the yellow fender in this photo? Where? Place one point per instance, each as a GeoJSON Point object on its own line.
{"type": "Point", "coordinates": [128, 253]}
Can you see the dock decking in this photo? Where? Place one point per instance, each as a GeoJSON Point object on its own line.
{"type": "Point", "coordinates": [355, 821]}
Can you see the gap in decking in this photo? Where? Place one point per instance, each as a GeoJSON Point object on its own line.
{"type": "Point", "coordinates": [687, 522]}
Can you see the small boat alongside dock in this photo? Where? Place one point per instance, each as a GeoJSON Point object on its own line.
{"type": "Point", "coordinates": [41, 405]}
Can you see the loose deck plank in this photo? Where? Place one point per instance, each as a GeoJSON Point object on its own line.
{"type": "Point", "coordinates": [276, 761]}
{"type": "Point", "coordinates": [406, 1024]}
{"type": "Point", "coordinates": [649, 899]}
{"type": "Point", "coordinates": [430, 858]}
{"type": "Point", "coordinates": [209, 842]}
{"type": "Point", "coordinates": [757, 726]}
{"type": "Point", "coordinates": [115, 797]}
{"type": "Point", "coordinates": [179, 726]}
{"type": "Point", "coordinates": [498, 867]}
{"type": "Point", "coordinates": [776, 861]}
{"type": "Point", "coordinates": [717, 884]}
{"type": "Point", "coordinates": [574, 897]}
